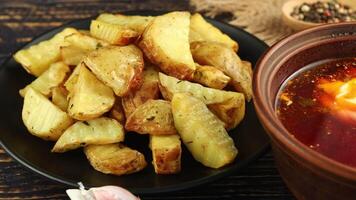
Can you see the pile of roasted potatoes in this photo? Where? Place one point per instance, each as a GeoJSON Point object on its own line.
{"type": "Point", "coordinates": [161, 76]}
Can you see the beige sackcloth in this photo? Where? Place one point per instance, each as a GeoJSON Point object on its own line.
{"type": "Point", "coordinates": [262, 18]}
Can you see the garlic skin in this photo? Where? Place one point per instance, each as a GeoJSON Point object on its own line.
{"type": "Point", "coordinates": [100, 193]}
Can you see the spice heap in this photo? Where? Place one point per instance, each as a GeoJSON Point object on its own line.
{"type": "Point", "coordinates": [324, 12]}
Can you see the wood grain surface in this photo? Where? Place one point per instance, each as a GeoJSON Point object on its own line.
{"type": "Point", "coordinates": [20, 21]}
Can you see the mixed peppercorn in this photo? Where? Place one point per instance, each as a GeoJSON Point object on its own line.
{"type": "Point", "coordinates": [324, 12]}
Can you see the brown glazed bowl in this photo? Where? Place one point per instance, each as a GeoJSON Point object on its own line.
{"type": "Point", "coordinates": [308, 174]}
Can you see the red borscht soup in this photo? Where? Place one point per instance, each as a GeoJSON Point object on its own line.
{"type": "Point", "coordinates": [317, 105]}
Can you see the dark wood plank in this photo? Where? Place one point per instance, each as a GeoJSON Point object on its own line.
{"type": "Point", "coordinates": [20, 21]}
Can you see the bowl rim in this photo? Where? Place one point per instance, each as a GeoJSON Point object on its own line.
{"type": "Point", "coordinates": [276, 130]}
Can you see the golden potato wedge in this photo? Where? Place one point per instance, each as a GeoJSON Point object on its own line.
{"type": "Point", "coordinates": [210, 77]}
{"type": "Point", "coordinates": [73, 78]}
{"type": "Point", "coordinates": [90, 97]}
{"type": "Point", "coordinates": [228, 106]}
{"type": "Point", "coordinates": [118, 67]}
{"type": "Point", "coordinates": [115, 159]}
{"type": "Point", "coordinates": [153, 117]}
{"type": "Point", "coordinates": [114, 34]}
{"type": "Point", "coordinates": [148, 90]}
{"type": "Point", "coordinates": [170, 85]}
{"type": "Point", "coordinates": [96, 131]}
{"type": "Point", "coordinates": [202, 132]}
{"type": "Point", "coordinates": [231, 111]}
{"type": "Point", "coordinates": [72, 55]}
{"type": "Point", "coordinates": [248, 66]}
{"type": "Point", "coordinates": [85, 41]}
{"type": "Point", "coordinates": [42, 118]}
{"type": "Point", "coordinates": [133, 22]}
{"type": "Point", "coordinates": [165, 42]}
{"type": "Point", "coordinates": [218, 55]}
{"type": "Point", "coordinates": [37, 58]}
{"type": "Point", "coordinates": [59, 97]}
{"type": "Point", "coordinates": [80, 44]}
{"type": "Point", "coordinates": [201, 30]}
{"type": "Point", "coordinates": [166, 153]}
{"type": "Point", "coordinates": [52, 77]}
{"type": "Point", "coordinates": [117, 111]}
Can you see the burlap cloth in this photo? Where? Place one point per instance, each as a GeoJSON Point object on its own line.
{"type": "Point", "coordinates": [262, 18]}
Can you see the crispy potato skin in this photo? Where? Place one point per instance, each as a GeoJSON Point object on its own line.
{"type": "Point", "coordinates": [155, 39]}
{"type": "Point", "coordinates": [166, 153]}
{"type": "Point", "coordinates": [148, 90]}
{"type": "Point", "coordinates": [124, 73]}
{"type": "Point", "coordinates": [42, 118]}
{"type": "Point", "coordinates": [247, 66]}
{"type": "Point", "coordinates": [115, 159]}
{"type": "Point", "coordinates": [210, 77]}
{"type": "Point", "coordinates": [202, 132]}
{"type": "Point", "coordinates": [225, 59]}
{"type": "Point", "coordinates": [117, 111]}
{"type": "Point", "coordinates": [231, 112]}
{"type": "Point", "coordinates": [153, 117]}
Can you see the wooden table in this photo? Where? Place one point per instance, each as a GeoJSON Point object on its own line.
{"type": "Point", "coordinates": [22, 20]}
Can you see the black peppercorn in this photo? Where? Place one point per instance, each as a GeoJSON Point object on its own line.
{"type": "Point", "coordinates": [324, 12]}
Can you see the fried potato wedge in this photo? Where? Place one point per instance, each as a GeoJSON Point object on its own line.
{"type": "Point", "coordinates": [96, 131]}
{"type": "Point", "coordinates": [210, 77]}
{"type": "Point", "coordinates": [133, 22]}
{"type": "Point", "coordinates": [42, 118]}
{"type": "Point", "coordinates": [165, 42]}
{"type": "Point", "coordinates": [90, 97]}
{"type": "Point", "coordinates": [202, 132]}
{"type": "Point", "coordinates": [170, 85]}
{"type": "Point", "coordinates": [112, 33]}
{"type": "Point", "coordinates": [248, 66]}
{"type": "Point", "coordinates": [79, 45]}
{"type": "Point", "coordinates": [85, 41]}
{"type": "Point", "coordinates": [118, 67]}
{"type": "Point", "coordinates": [59, 97]}
{"type": "Point", "coordinates": [228, 106]}
{"type": "Point", "coordinates": [72, 55]}
{"type": "Point", "coordinates": [218, 55]}
{"type": "Point", "coordinates": [117, 111]}
{"type": "Point", "coordinates": [37, 58]}
{"type": "Point", "coordinates": [201, 30]}
{"type": "Point", "coordinates": [73, 78]}
{"type": "Point", "coordinates": [231, 111]}
{"type": "Point", "coordinates": [148, 90]}
{"type": "Point", "coordinates": [153, 117]}
{"type": "Point", "coordinates": [52, 77]}
{"type": "Point", "coordinates": [115, 159]}
{"type": "Point", "coordinates": [166, 153]}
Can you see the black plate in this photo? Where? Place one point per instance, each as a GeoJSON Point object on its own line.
{"type": "Point", "coordinates": [72, 167]}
